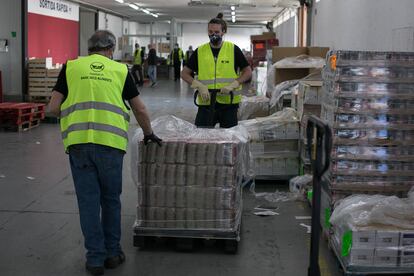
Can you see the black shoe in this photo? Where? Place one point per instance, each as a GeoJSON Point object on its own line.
{"type": "Point", "coordinates": [114, 262]}
{"type": "Point", "coordinates": [95, 270]}
{"type": "Point", "coordinates": [153, 84]}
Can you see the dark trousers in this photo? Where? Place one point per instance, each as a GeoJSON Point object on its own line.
{"type": "Point", "coordinates": [177, 71]}
{"type": "Point", "coordinates": [97, 175]}
{"type": "Point", "coordinates": [224, 114]}
{"type": "Point", "coordinates": [140, 78]}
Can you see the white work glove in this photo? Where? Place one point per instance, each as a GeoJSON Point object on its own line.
{"type": "Point", "coordinates": [232, 86]}
{"type": "Point", "coordinates": [202, 90]}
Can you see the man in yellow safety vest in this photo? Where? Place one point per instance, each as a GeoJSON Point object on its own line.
{"type": "Point", "coordinates": [221, 68]}
{"type": "Point", "coordinates": [89, 97]}
{"type": "Point", "coordinates": [137, 66]}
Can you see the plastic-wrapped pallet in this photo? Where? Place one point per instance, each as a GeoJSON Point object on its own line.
{"type": "Point", "coordinates": [368, 102]}
{"type": "Point", "coordinates": [376, 232]}
{"type": "Point", "coordinates": [193, 182]}
{"type": "Point", "coordinates": [274, 144]}
{"type": "Point", "coordinates": [253, 107]}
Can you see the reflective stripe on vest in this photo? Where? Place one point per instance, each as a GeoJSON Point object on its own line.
{"type": "Point", "coordinates": [94, 111]}
{"type": "Point", "coordinates": [94, 105]}
{"type": "Point", "coordinates": [217, 73]}
{"type": "Point", "coordinates": [137, 57]}
{"type": "Point", "coordinates": [94, 126]}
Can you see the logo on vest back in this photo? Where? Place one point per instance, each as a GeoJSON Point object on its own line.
{"type": "Point", "coordinates": [97, 66]}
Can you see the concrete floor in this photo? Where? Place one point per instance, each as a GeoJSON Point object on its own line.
{"type": "Point", "coordinates": [39, 225]}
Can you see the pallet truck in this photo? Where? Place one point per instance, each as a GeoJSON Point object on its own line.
{"type": "Point", "coordinates": [319, 154]}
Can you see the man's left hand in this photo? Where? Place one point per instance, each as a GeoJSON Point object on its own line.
{"type": "Point", "coordinates": [232, 86]}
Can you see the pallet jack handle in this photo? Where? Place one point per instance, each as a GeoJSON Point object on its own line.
{"type": "Point", "coordinates": [320, 161]}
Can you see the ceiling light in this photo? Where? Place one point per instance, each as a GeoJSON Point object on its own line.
{"type": "Point", "coordinates": [120, 1]}
{"type": "Point", "coordinates": [146, 11]}
{"type": "Point", "coordinates": [135, 7]}
{"type": "Point", "coordinates": [232, 8]}
{"type": "Point", "coordinates": [155, 15]}
{"type": "Point", "coordinates": [233, 13]}
{"type": "Point", "coordinates": [233, 19]}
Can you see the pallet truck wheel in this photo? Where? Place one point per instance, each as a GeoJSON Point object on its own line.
{"type": "Point", "coordinates": [231, 246]}
{"type": "Point", "coordinates": [184, 244]}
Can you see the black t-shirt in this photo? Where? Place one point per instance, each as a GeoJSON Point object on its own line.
{"type": "Point", "coordinates": [152, 57]}
{"type": "Point", "coordinates": [130, 90]}
{"type": "Point", "coordinates": [240, 61]}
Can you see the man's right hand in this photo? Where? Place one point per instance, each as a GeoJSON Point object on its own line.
{"type": "Point", "coordinates": [202, 90]}
{"type": "Point", "coordinates": [152, 138]}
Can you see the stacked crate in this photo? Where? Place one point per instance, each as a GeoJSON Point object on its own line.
{"type": "Point", "coordinates": [274, 145]}
{"type": "Point", "coordinates": [369, 104]}
{"type": "Point", "coordinates": [42, 79]}
{"type": "Point", "coordinates": [190, 184]}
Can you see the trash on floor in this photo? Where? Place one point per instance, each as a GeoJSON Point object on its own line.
{"type": "Point", "coordinates": [308, 227]}
{"type": "Point", "coordinates": [265, 213]}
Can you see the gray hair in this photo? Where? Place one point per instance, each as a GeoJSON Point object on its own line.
{"type": "Point", "coordinates": [101, 40]}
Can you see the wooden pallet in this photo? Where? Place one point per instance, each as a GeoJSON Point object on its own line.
{"type": "Point", "coordinates": [21, 116]}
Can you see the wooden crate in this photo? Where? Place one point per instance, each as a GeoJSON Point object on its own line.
{"type": "Point", "coordinates": [54, 73]}
{"type": "Point", "coordinates": [40, 63]}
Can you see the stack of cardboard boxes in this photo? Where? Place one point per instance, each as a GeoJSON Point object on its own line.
{"type": "Point", "coordinates": [274, 145]}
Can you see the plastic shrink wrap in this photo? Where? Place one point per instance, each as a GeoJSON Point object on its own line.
{"type": "Point", "coordinates": [253, 107]}
{"type": "Point", "coordinates": [194, 180]}
{"type": "Point", "coordinates": [375, 231]}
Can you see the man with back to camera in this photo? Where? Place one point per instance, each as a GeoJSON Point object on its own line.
{"type": "Point", "coordinates": [89, 99]}
{"type": "Point", "coordinates": [217, 64]}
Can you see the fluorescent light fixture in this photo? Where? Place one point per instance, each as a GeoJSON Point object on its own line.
{"type": "Point", "coordinates": [233, 13]}
{"type": "Point", "coordinates": [233, 19]}
{"type": "Point", "coordinates": [135, 7]}
{"type": "Point", "coordinates": [155, 15]}
{"type": "Point", "coordinates": [146, 11]}
{"type": "Point", "coordinates": [120, 1]}
{"type": "Point", "coordinates": [232, 8]}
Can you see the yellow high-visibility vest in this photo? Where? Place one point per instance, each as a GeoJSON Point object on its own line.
{"type": "Point", "coordinates": [94, 111]}
{"type": "Point", "coordinates": [217, 73]}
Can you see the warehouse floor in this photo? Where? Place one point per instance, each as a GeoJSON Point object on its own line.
{"type": "Point", "coordinates": [39, 225]}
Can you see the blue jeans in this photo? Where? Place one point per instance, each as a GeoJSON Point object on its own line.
{"type": "Point", "coordinates": [152, 73]}
{"type": "Point", "coordinates": [97, 175]}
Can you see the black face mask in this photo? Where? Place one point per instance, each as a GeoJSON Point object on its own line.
{"type": "Point", "coordinates": [215, 39]}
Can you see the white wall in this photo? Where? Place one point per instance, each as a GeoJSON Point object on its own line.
{"type": "Point", "coordinates": [286, 33]}
{"type": "Point", "coordinates": [11, 61]}
{"type": "Point", "coordinates": [115, 25]}
{"type": "Point", "coordinates": [382, 25]}
{"type": "Point", "coordinates": [195, 34]}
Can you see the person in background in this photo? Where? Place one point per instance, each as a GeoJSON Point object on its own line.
{"type": "Point", "coordinates": [176, 57]}
{"type": "Point", "coordinates": [137, 66]}
{"type": "Point", "coordinates": [221, 69]}
{"type": "Point", "coordinates": [89, 97]}
{"type": "Point", "coordinates": [152, 66]}
{"type": "Point", "coordinates": [188, 54]}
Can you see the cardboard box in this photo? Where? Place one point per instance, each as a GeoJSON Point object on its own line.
{"type": "Point", "coordinates": [385, 257]}
{"type": "Point", "coordinates": [279, 53]}
{"type": "Point", "coordinates": [407, 256]}
{"type": "Point", "coordinates": [407, 239]}
{"type": "Point", "coordinates": [386, 239]}
{"type": "Point", "coordinates": [361, 257]}
{"type": "Point", "coordinates": [363, 239]}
